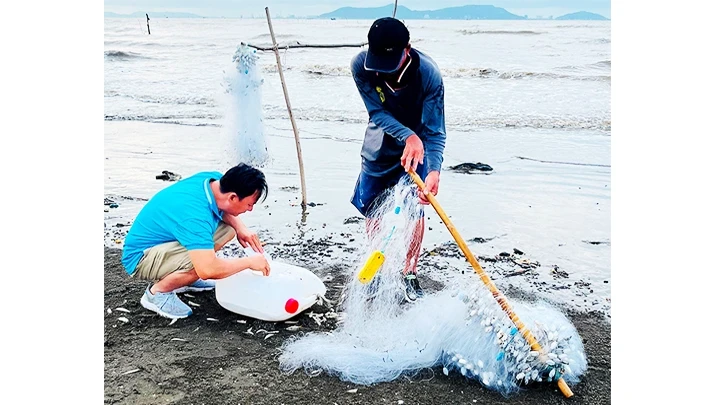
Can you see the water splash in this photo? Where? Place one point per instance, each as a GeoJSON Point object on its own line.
{"type": "Point", "coordinates": [244, 121]}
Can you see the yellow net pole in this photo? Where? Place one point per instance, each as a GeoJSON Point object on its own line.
{"type": "Point", "coordinates": [499, 297]}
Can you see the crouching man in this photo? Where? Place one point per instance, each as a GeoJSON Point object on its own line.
{"type": "Point", "coordinates": [173, 240]}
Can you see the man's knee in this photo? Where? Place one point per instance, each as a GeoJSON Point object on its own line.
{"type": "Point", "coordinates": [162, 260]}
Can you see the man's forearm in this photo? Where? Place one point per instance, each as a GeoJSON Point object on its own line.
{"type": "Point", "coordinates": [233, 221]}
{"type": "Point", "coordinates": [221, 268]}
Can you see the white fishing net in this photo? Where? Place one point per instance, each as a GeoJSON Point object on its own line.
{"type": "Point", "coordinates": [461, 328]}
{"type": "Point", "coordinates": [243, 119]}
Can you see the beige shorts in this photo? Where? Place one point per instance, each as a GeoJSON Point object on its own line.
{"type": "Point", "coordinates": [161, 260]}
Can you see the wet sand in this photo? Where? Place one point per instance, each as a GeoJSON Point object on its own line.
{"type": "Point", "coordinates": [214, 361]}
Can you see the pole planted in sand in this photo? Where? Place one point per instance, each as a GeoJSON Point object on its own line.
{"type": "Point", "coordinates": [289, 108]}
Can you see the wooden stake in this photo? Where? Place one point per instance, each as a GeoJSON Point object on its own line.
{"type": "Point", "coordinates": [499, 297]}
{"type": "Point", "coordinates": [394, 9]}
{"type": "Point", "coordinates": [289, 108]}
{"type": "Point", "coordinates": [148, 22]}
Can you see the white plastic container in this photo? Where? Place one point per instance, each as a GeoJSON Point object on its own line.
{"type": "Point", "coordinates": [286, 292]}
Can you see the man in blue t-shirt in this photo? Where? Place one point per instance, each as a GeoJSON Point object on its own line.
{"type": "Point", "coordinates": [173, 239]}
{"type": "Point", "coordinates": [404, 95]}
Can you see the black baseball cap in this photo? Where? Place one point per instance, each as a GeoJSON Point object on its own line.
{"type": "Point", "coordinates": [387, 39]}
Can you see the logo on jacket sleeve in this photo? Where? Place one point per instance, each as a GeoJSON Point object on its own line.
{"type": "Point", "coordinates": [380, 92]}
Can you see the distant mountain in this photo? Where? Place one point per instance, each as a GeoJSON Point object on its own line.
{"type": "Point", "coordinates": [404, 13]}
{"type": "Point", "coordinates": [473, 12]}
{"type": "Point", "coordinates": [152, 15]}
{"type": "Point", "coordinates": [582, 15]}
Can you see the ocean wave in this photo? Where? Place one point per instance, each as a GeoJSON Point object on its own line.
{"type": "Point", "coordinates": [344, 71]}
{"type": "Point", "coordinates": [123, 55]}
{"type": "Point", "coordinates": [317, 135]}
{"type": "Point", "coordinates": [327, 70]}
{"type": "Point", "coordinates": [149, 43]}
{"type": "Point", "coordinates": [471, 123]}
{"type": "Point", "coordinates": [316, 114]}
{"type": "Point", "coordinates": [459, 123]}
{"type": "Point", "coordinates": [598, 41]}
{"type": "Point", "coordinates": [273, 68]}
{"type": "Point", "coordinates": [267, 36]}
{"type": "Point", "coordinates": [562, 24]}
{"type": "Point", "coordinates": [182, 100]}
{"type": "Point", "coordinates": [590, 70]}
{"type": "Point", "coordinates": [601, 64]}
{"type": "Point", "coordinates": [499, 32]}
{"type": "Point", "coordinates": [455, 122]}
{"type": "Point", "coordinates": [494, 74]}
{"type": "Point", "coordinates": [195, 120]}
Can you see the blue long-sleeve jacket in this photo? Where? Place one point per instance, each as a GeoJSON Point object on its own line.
{"type": "Point", "coordinates": [418, 108]}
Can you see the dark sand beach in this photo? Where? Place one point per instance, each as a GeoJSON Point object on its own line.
{"type": "Point", "coordinates": [214, 361]}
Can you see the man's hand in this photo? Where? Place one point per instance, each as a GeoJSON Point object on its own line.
{"type": "Point", "coordinates": [246, 237]}
{"type": "Point", "coordinates": [413, 154]}
{"type": "Point", "coordinates": [432, 183]}
{"type": "Point", "coordinates": [259, 263]}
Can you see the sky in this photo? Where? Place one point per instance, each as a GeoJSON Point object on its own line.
{"type": "Point", "coordinates": [301, 8]}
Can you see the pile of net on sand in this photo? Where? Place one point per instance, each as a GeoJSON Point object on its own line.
{"type": "Point", "coordinates": [461, 328]}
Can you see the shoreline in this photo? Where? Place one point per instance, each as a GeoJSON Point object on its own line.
{"type": "Point", "coordinates": [516, 273]}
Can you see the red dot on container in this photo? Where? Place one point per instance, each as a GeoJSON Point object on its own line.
{"type": "Point", "coordinates": [291, 306]}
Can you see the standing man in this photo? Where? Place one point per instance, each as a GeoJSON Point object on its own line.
{"type": "Point", "coordinates": [404, 95]}
{"type": "Point", "coordinates": [173, 240]}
